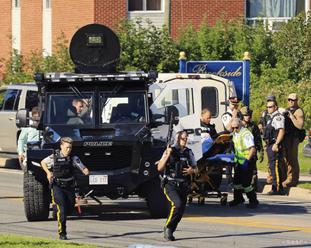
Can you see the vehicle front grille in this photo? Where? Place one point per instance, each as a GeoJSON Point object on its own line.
{"type": "Point", "coordinates": [104, 158]}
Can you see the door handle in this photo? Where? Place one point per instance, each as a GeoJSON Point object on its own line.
{"type": "Point", "coordinates": [11, 118]}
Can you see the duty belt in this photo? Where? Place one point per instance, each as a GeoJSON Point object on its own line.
{"type": "Point", "coordinates": [64, 182]}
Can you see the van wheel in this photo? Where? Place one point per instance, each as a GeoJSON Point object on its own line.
{"type": "Point", "coordinates": [36, 199]}
{"type": "Point", "coordinates": [157, 203]}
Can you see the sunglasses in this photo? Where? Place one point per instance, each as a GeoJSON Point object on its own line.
{"type": "Point", "coordinates": [184, 139]}
{"type": "Point", "coordinates": [291, 100]}
{"type": "Point", "coordinates": [235, 128]}
{"type": "Point", "coordinates": [271, 106]}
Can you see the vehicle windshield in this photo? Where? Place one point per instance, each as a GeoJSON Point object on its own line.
{"type": "Point", "coordinates": [69, 109]}
{"type": "Point", "coordinates": [129, 107]}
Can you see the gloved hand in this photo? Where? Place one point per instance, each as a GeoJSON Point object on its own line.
{"type": "Point", "coordinates": [261, 156]}
{"type": "Point", "coordinates": [245, 164]}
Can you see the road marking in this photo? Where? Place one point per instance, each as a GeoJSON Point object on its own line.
{"type": "Point", "coordinates": [258, 223]}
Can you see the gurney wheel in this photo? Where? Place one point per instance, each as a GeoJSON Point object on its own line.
{"type": "Point", "coordinates": [223, 200]}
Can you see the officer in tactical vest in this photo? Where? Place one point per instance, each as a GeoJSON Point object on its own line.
{"type": "Point", "coordinates": [247, 122]}
{"type": "Point", "coordinates": [273, 136]}
{"type": "Point", "coordinates": [294, 120]}
{"type": "Point", "coordinates": [262, 125]}
{"type": "Point", "coordinates": [208, 131]}
{"type": "Point", "coordinates": [244, 150]}
{"type": "Point", "coordinates": [177, 163]}
{"type": "Point", "coordinates": [59, 168]}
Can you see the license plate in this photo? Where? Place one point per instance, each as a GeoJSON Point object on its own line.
{"type": "Point", "coordinates": [98, 179]}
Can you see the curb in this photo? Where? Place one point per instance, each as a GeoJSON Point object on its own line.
{"type": "Point", "coordinates": [9, 163]}
{"type": "Point", "coordinates": [293, 193]}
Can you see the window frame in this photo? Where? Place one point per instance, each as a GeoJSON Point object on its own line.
{"type": "Point", "coordinates": [216, 113]}
{"type": "Point", "coordinates": [144, 2]}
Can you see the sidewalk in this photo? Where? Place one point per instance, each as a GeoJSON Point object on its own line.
{"type": "Point", "coordinates": [294, 192]}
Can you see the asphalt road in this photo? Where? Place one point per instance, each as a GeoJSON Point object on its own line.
{"type": "Point", "coordinates": [278, 222]}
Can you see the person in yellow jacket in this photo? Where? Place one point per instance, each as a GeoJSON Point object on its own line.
{"type": "Point", "coordinates": [244, 149]}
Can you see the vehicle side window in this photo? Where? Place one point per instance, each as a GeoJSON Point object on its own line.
{"type": "Point", "coordinates": [11, 100]}
{"type": "Point", "coordinates": [182, 99]}
{"type": "Point", "coordinates": [2, 94]}
{"type": "Point", "coordinates": [210, 100]}
{"type": "Point", "coordinates": [32, 99]}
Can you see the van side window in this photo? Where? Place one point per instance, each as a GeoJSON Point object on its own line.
{"type": "Point", "coordinates": [210, 100]}
{"type": "Point", "coordinates": [11, 100]}
{"type": "Point", "coordinates": [182, 99]}
{"type": "Point", "coordinates": [32, 99]}
{"type": "Point", "coordinates": [2, 94]}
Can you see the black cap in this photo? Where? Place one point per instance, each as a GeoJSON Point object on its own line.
{"type": "Point", "coordinates": [271, 98]}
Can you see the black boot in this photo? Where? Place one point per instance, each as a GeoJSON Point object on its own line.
{"type": "Point", "coordinates": [168, 234]}
{"type": "Point", "coordinates": [237, 198]}
{"type": "Point", "coordinates": [253, 202]}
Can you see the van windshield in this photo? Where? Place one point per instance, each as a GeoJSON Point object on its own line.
{"type": "Point", "coordinates": [69, 109]}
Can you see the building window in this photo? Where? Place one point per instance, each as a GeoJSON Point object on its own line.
{"type": "Point", "coordinates": [47, 4]}
{"type": "Point", "coordinates": [274, 8]}
{"type": "Point", "coordinates": [144, 5]}
{"type": "Point", "coordinates": [272, 13]}
{"type": "Point", "coordinates": [17, 3]}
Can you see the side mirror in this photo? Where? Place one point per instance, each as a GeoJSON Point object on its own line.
{"type": "Point", "coordinates": [22, 118]}
{"type": "Point", "coordinates": [171, 115]}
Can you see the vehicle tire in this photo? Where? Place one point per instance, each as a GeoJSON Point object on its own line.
{"type": "Point", "coordinates": [36, 199]}
{"type": "Point", "coordinates": [157, 203]}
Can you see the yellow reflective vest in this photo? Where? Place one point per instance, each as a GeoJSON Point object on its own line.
{"type": "Point", "coordinates": [240, 149]}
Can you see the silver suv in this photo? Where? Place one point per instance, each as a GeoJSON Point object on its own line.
{"type": "Point", "coordinates": [12, 98]}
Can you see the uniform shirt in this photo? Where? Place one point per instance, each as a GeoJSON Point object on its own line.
{"type": "Point", "coordinates": [248, 138]}
{"type": "Point", "coordinates": [76, 162]}
{"type": "Point", "coordinates": [193, 162]}
{"type": "Point", "coordinates": [27, 134]}
{"type": "Point", "coordinates": [226, 117]}
{"type": "Point", "coordinates": [278, 122]}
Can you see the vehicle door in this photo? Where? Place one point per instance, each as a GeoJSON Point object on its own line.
{"type": "Point", "coordinates": [182, 95]}
{"type": "Point", "coordinates": [9, 100]}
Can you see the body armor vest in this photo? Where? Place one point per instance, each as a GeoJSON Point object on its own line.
{"type": "Point", "coordinates": [270, 132]}
{"type": "Point", "coordinates": [63, 168]}
{"type": "Point", "coordinates": [290, 128]}
{"type": "Point", "coordinates": [177, 162]}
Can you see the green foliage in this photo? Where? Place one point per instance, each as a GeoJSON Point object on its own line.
{"type": "Point", "coordinates": [146, 47]}
{"type": "Point", "coordinates": [20, 68]}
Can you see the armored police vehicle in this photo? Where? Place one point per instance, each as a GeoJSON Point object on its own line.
{"type": "Point", "coordinates": [107, 115]}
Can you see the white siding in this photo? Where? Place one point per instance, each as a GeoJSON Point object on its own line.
{"type": "Point", "coordinates": [46, 29]}
{"type": "Point", "coordinates": [16, 27]}
{"type": "Point", "coordinates": [157, 18]}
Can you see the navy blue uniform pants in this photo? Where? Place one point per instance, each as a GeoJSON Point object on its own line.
{"type": "Point", "coordinates": [64, 199]}
{"type": "Point", "coordinates": [276, 167]}
{"type": "Point", "coordinates": [177, 196]}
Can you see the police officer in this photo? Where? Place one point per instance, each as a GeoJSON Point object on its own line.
{"type": "Point", "coordinates": [232, 112]}
{"type": "Point", "coordinates": [177, 163]}
{"type": "Point", "coordinates": [247, 122]}
{"type": "Point", "coordinates": [294, 120]}
{"type": "Point", "coordinates": [244, 149]}
{"type": "Point", "coordinates": [262, 125]}
{"type": "Point", "coordinates": [59, 168]}
{"type": "Point", "coordinates": [273, 136]}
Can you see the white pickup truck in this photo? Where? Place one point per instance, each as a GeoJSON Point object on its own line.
{"type": "Point", "coordinates": [190, 93]}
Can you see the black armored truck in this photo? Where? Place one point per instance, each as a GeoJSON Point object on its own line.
{"type": "Point", "coordinates": [107, 114]}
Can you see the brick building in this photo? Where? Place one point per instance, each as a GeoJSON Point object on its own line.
{"type": "Point", "coordinates": [28, 25]}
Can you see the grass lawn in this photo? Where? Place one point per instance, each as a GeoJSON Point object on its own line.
{"type": "Point", "coordinates": [304, 162]}
{"type": "Point", "coordinates": [17, 241]}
